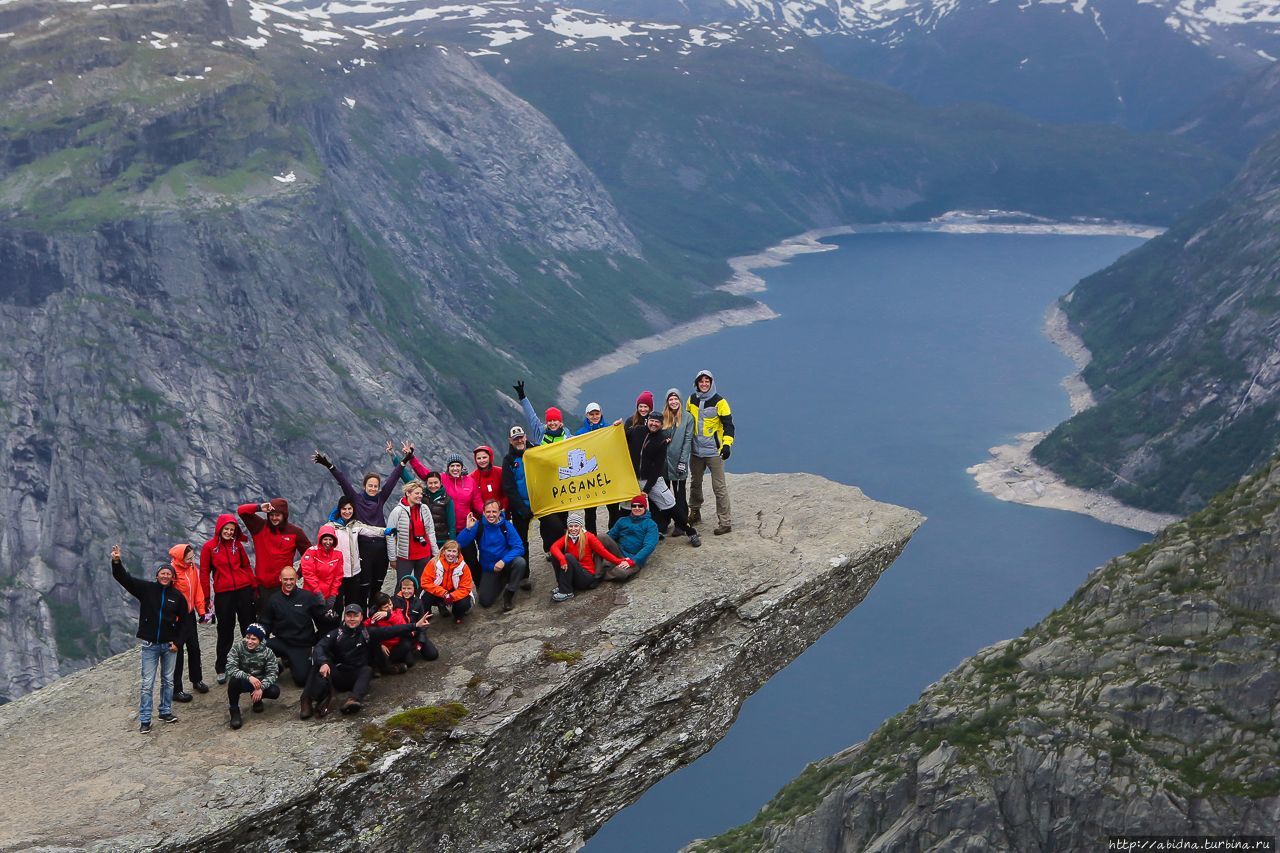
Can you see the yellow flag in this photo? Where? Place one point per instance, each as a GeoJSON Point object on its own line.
{"type": "Point", "coordinates": [587, 470]}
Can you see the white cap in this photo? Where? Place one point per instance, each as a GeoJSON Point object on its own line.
{"type": "Point", "coordinates": [592, 407]}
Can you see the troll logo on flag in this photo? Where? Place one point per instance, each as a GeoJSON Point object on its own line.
{"type": "Point", "coordinates": [581, 472]}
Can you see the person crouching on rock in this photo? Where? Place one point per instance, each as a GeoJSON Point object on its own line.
{"type": "Point", "coordinates": [411, 602]}
{"type": "Point", "coordinates": [446, 582]}
{"type": "Point", "coordinates": [251, 668]}
{"type": "Point", "coordinates": [633, 536]}
{"type": "Point", "coordinates": [342, 661]}
{"type": "Point", "coordinates": [160, 612]}
{"type": "Point", "coordinates": [392, 654]}
{"type": "Point", "coordinates": [501, 555]}
{"type": "Point", "coordinates": [322, 567]}
{"type": "Point", "coordinates": [293, 618]}
{"type": "Point", "coordinates": [579, 560]}
{"type": "Point", "coordinates": [186, 579]}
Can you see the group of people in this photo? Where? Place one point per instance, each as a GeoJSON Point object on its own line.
{"type": "Point", "coordinates": [455, 538]}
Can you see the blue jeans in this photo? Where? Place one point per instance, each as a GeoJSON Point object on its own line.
{"type": "Point", "coordinates": [156, 655]}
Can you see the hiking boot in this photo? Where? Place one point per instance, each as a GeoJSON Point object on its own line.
{"type": "Point", "coordinates": [695, 540]}
{"type": "Point", "coordinates": [236, 721]}
{"type": "Point", "coordinates": [695, 516]}
{"type": "Point", "coordinates": [457, 620]}
{"type": "Point", "coordinates": [182, 696]}
{"type": "Point", "coordinates": [144, 728]}
{"type": "Point", "coordinates": [305, 710]}
{"type": "Point", "coordinates": [399, 669]}
{"type": "Point", "coordinates": [352, 705]}
{"type": "Point", "coordinates": [723, 529]}
{"type": "Point", "coordinates": [201, 687]}
{"type": "Point", "coordinates": [168, 718]}
{"type": "Point", "coordinates": [507, 598]}
{"type": "Point", "coordinates": [677, 532]}
{"type": "Point", "coordinates": [326, 704]}
{"type": "Point", "coordinates": [558, 596]}
{"type": "Point", "coordinates": [222, 678]}
{"type": "Point", "coordinates": [283, 663]}
{"type": "Point", "coordinates": [258, 707]}
{"type": "Point", "coordinates": [527, 583]}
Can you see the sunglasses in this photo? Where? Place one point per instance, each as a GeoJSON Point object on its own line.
{"type": "Point", "coordinates": [637, 506]}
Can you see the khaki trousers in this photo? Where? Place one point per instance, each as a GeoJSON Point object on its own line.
{"type": "Point", "coordinates": [700, 466]}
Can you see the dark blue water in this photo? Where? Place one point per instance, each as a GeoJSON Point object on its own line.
{"type": "Point", "coordinates": [897, 361]}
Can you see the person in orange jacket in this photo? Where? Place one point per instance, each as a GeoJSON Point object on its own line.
{"type": "Point", "coordinates": [322, 566]}
{"type": "Point", "coordinates": [186, 580]}
{"type": "Point", "coordinates": [446, 582]}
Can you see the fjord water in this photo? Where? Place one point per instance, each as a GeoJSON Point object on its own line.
{"type": "Point", "coordinates": [898, 360]}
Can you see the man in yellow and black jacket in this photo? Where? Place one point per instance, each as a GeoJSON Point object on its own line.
{"type": "Point", "coordinates": [712, 440]}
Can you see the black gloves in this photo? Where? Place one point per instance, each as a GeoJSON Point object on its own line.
{"type": "Point", "coordinates": [724, 451]}
{"type": "Point", "coordinates": [519, 386]}
{"type": "Point", "coordinates": [320, 459]}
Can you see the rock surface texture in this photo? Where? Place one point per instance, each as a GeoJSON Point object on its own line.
{"type": "Point", "coordinates": [571, 710]}
{"type": "Point", "coordinates": [1146, 705]}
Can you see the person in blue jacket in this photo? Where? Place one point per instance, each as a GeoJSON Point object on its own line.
{"type": "Point", "coordinates": [160, 611]}
{"type": "Point", "coordinates": [502, 562]}
{"type": "Point", "coordinates": [633, 536]}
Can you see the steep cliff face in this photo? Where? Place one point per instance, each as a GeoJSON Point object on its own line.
{"type": "Point", "coordinates": [1185, 366]}
{"type": "Point", "coordinates": [1145, 705]}
{"type": "Point", "coordinates": [532, 730]}
{"type": "Point", "coordinates": [207, 277]}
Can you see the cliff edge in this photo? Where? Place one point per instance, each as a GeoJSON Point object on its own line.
{"type": "Point", "coordinates": [531, 731]}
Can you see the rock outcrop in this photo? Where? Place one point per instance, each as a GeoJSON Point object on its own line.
{"type": "Point", "coordinates": [1146, 705]}
{"type": "Point", "coordinates": [530, 732]}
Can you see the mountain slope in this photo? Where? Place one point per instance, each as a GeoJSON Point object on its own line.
{"type": "Point", "coordinates": [1185, 365]}
{"type": "Point", "coordinates": [1144, 706]}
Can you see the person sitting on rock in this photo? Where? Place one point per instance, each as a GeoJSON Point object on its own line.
{"type": "Point", "coordinates": [580, 559]}
{"type": "Point", "coordinates": [414, 530]}
{"type": "Point", "coordinates": [633, 536]}
{"type": "Point", "coordinates": [342, 661]}
{"type": "Point", "coordinates": [501, 555]}
{"type": "Point", "coordinates": [323, 566]}
{"type": "Point", "coordinates": [251, 668]}
{"type": "Point", "coordinates": [293, 618]}
{"type": "Point", "coordinates": [411, 601]}
{"type": "Point", "coordinates": [160, 612]}
{"type": "Point", "coordinates": [446, 582]}
{"type": "Point", "coordinates": [186, 579]}
{"type": "Point", "coordinates": [275, 541]}
{"type": "Point", "coordinates": [392, 654]}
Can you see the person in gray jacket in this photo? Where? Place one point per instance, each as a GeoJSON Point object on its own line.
{"type": "Point", "coordinates": [251, 668]}
{"type": "Point", "coordinates": [677, 425]}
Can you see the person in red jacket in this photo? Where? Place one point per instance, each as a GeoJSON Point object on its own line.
{"type": "Point", "coordinates": [322, 566]}
{"type": "Point", "coordinates": [224, 560]}
{"type": "Point", "coordinates": [186, 580]}
{"type": "Point", "coordinates": [392, 654]}
{"type": "Point", "coordinates": [275, 541]}
{"type": "Point", "coordinates": [578, 558]}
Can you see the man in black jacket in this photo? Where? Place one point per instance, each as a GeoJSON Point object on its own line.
{"type": "Point", "coordinates": [342, 661]}
{"type": "Point", "coordinates": [294, 617]}
{"type": "Point", "coordinates": [160, 611]}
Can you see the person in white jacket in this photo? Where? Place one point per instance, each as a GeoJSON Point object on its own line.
{"type": "Point", "coordinates": [414, 532]}
{"type": "Point", "coordinates": [349, 529]}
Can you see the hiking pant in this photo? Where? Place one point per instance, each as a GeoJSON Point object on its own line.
{"type": "Point", "coordinates": [574, 576]}
{"type": "Point", "coordinates": [552, 527]}
{"type": "Point", "coordinates": [228, 607]}
{"type": "Point", "coordinates": [419, 641]}
{"type": "Point", "coordinates": [238, 686]}
{"type": "Point", "coordinates": [354, 590]}
{"type": "Point", "coordinates": [399, 653]}
{"type": "Point", "coordinates": [188, 649]}
{"type": "Point", "coordinates": [345, 677]}
{"type": "Point", "coordinates": [264, 595]}
{"type": "Point", "coordinates": [590, 521]}
{"type": "Point", "coordinates": [457, 609]}
{"type": "Point", "coordinates": [699, 466]}
{"type": "Point", "coordinates": [471, 555]}
{"type": "Point", "coordinates": [405, 568]}
{"type": "Point", "coordinates": [299, 658]}
{"type": "Point", "coordinates": [678, 514]}
{"type": "Point", "coordinates": [373, 566]}
{"type": "Point", "coordinates": [521, 524]}
{"type": "Point", "coordinates": [617, 573]}
{"type": "Point", "coordinates": [492, 583]}
{"type": "Point", "coordinates": [156, 657]}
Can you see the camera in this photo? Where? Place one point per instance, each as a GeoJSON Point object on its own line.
{"type": "Point", "coordinates": [421, 540]}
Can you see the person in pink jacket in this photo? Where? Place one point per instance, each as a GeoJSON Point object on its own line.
{"type": "Point", "coordinates": [322, 566]}
{"type": "Point", "coordinates": [462, 490]}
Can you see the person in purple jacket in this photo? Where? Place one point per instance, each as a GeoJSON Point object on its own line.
{"type": "Point", "coordinates": [369, 506]}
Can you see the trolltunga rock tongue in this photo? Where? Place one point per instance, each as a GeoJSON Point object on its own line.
{"type": "Point", "coordinates": [508, 742]}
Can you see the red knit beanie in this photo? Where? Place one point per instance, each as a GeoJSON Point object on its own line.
{"type": "Point", "coordinates": [553, 414]}
{"type": "Point", "coordinates": [641, 498]}
{"type": "Point", "coordinates": [646, 397]}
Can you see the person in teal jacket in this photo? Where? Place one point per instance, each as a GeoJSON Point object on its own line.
{"type": "Point", "coordinates": [633, 536]}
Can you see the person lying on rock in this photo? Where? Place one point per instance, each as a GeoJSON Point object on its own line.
{"type": "Point", "coordinates": [446, 582]}
{"type": "Point", "coordinates": [411, 602]}
{"type": "Point", "coordinates": [342, 661]}
{"type": "Point", "coordinates": [392, 655]}
{"type": "Point", "coordinates": [293, 618]}
{"type": "Point", "coordinates": [633, 536]}
{"type": "Point", "coordinates": [500, 553]}
{"type": "Point", "coordinates": [160, 611]}
{"type": "Point", "coordinates": [252, 669]}
{"type": "Point", "coordinates": [580, 559]}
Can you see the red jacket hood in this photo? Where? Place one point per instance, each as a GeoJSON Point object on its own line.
{"type": "Point", "coordinates": [225, 519]}
{"type": "Point", "coordinates": [487, 449]}
{"type": "Point", "coordinates": [327, 530]}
